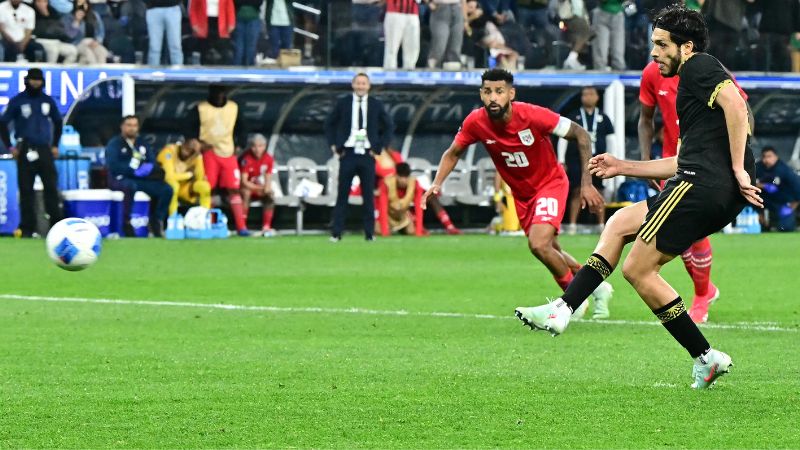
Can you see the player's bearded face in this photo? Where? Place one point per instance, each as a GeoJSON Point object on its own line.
{"type": "Point", "coordinates": [666, 53]}
{"type": "Point", "coordinates": [496, 97]}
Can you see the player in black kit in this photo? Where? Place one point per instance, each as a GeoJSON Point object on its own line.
{"type": "Point", "coordinates": [710, 184]}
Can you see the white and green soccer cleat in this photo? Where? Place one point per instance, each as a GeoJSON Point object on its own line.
{"type": "Point", "coordinates": [552, 317]}
{"type": "Point", "coordinates": [602, 295]}
{"type": "Point", "coordinates": [709, 367]}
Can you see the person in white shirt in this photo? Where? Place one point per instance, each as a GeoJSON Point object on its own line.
{"type": "Point", "coordinates": [17, 21]}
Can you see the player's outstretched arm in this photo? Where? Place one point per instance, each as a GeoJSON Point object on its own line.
{"type": "Point", "coordinates": [607, 166]}
{"type": "Point", "coordinates": [736, 119]}
{"type": "Point", "coordinates": [446, 165]}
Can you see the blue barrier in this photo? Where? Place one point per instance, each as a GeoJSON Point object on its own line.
{"type": "Point", "coordinates": [9, 203]}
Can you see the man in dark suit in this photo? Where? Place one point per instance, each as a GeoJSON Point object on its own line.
{"type": "Point", "coordinates": [357, 128]}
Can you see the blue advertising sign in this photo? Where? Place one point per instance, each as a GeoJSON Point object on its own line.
{"type": "Point", "coordinates": [68, 83]}
{"type": "Point", "coordinates": [9, 203]}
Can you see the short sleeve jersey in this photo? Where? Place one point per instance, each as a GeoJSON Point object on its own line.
{"type": "Point", "coordinates": [705, 149]}
{"type": "Point", "coordinates": [255, 169]}
{"type": "Point", "coordinates": [521, 149]}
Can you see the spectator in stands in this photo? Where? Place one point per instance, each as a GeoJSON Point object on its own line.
{"type": "Point", "coordinates": [599, 127]}
{"type": "Point", "coordinates": [164, 20]}
{"type": "Point", "coordinates": [185, 174]}
{"type": "Point", "coordinates": [576, 21]}
{"type": "Point", "coordinates": [505, 42]}
{"type": "Point", "coordinates": [795, 50]}
{"type": "Point", "coordinates": [357, 127]}
{"type": "Point", "coordinates": [52, 35]}
{"type": "Point", "coordinates": [132, 167]}
{"type": "Point", "coordinates": [256, 167]}
{"type": "Point", "coordinates": [248, 28]}
{"type": "Point", "coordinates": [536, 14]}
{"type": "Point", "coordinates": [447, 24]}
{"type": "Point", "coordinates": [217, 121]}
{"type": "Point", "coordinates": [401, 27]}
{"type": "Point", "coordinates": [724, 19]}
{"type": "Point", "coordinates": [85, 29]}
{"type": "Point", "coordinates": [212, 23]}
{"type": "Point", "coordinates": [608, 24]}
{"type": "Point", "coordinates": [780, 19]}
{"type": "Point", "coordinates": [101, 7]}
{"type": "Point", "coordinates": [17, 21]}
{"type": "Point", "coordinates": [281, 30]}
{"type": "Point", "coordinates": [780, 189]}
{"type": "Point", "coordinates": [366, 29]}
{"type": "Point", "coordinates": [402, 193]}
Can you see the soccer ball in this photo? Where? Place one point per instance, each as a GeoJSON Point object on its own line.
{"type": "Point", "coordinates": [74, 244]}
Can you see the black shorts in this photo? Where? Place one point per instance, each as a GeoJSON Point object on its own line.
{"type": "Point", "coordinates": [574, 176]}
{"type": "Point", "coordinates": [683, 213]}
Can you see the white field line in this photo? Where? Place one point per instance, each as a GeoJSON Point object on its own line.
{"type": "Point", "coordinates": [745, 326]}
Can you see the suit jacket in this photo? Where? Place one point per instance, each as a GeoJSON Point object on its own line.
{"type": "Point", "coordinates": [379, 123]}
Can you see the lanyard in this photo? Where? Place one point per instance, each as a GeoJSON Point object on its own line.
{"type": "Point", "coordinates": [593, 130]}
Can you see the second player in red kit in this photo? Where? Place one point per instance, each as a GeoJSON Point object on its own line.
{"type": "Point", "coordinates": [517, 137]}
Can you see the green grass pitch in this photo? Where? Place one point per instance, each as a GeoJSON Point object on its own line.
{"type": "Point", "coordinates": [356, 373]}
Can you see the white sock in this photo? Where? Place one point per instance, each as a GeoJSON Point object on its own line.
{"type": "Point", "coordinates": [573, 56]}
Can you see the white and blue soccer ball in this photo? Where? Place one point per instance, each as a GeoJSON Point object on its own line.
{"type": "Point", "coordinates": [74, 244]}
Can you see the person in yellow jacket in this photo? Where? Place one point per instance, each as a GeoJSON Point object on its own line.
{"type": "Point", "coordinates": [184, 171]}
{"type": "Point", "coordinates": [504, 205]}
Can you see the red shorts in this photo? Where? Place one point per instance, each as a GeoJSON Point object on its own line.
{"type": "Point", "coordinates": [547, 206]}
{"type": "Point", "coordinates": [221, 172]}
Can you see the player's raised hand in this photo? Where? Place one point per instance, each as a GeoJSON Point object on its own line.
{"type": "Point", "coordinates": [591, 197]}
{"type": "Point", "coordinates": [433, 190]}
{"type": "Point", "coordinates": [746, 188]}
{"type": "Point", "coordinates": [604, 166]}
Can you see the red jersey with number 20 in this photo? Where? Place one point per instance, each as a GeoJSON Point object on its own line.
{"type": "Point", "coordinates": [521, 149]}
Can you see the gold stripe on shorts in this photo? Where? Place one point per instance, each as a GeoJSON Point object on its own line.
{"type": "Point", "coordinates": [651, 228]}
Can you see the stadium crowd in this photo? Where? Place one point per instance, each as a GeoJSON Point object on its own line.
{"type": "Point", "coordinates": [450, 34]}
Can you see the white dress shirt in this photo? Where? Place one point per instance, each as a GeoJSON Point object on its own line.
{"type": "Point", "coordinates": [355, 127]}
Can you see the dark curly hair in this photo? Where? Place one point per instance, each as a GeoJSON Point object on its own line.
{"type": "Point", "coordinates": [497, 75]}
{"type": "Point", "coordinates": [683, 25]}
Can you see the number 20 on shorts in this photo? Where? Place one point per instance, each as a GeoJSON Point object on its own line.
{"type": "Point", "coordinates": [546, 206]}
{"type": "Point", "coordinates": [516, 159]}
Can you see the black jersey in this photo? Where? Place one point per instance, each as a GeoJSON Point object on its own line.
{"type": "Point", "coordinates": [704, 156]}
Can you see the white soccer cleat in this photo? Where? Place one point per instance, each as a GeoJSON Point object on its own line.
{"type": "Point", "coordinates": [581, 311]}
{"type": "Point", "coordinates": [709, 367]}
{"type": "Point", "coordinates": [552, 317]}
{"type": "Point", "coordinates": [602, 295]}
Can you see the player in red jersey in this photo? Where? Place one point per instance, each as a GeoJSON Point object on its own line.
{"type": "Point", "coordinates": [256, 167]}
{"type": "Point", "coordinates": [517, 137]}
{"type": "Point", "coordinates": [656, 90]}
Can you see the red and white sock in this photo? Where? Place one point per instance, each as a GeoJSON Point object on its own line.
{"type": "Point", "coordinates": [266, 218]}
{"type": "Point", "coordinates": [686, 257]}
{"type": "Point", "coordinates": [701, 266]}
{"type": "Point", "coordinates": [238, 211]}
{"type": "Point", "coordinates": [445, 219]}
{"type": "Point", "coordinates": [564, 280]}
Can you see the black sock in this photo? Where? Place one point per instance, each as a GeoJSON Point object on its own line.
{"type": "Point", "coordinates": [675, 319]}
{"type": "Point", "coordinates": [586, 280]}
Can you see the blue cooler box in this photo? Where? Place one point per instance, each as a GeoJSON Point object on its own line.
{"type": "Point", "coordinates": [92, 205]}
{"type": "Point", "coordinates": [116, 214]}
{"type": "Point", "coordinates": [140, 213]}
